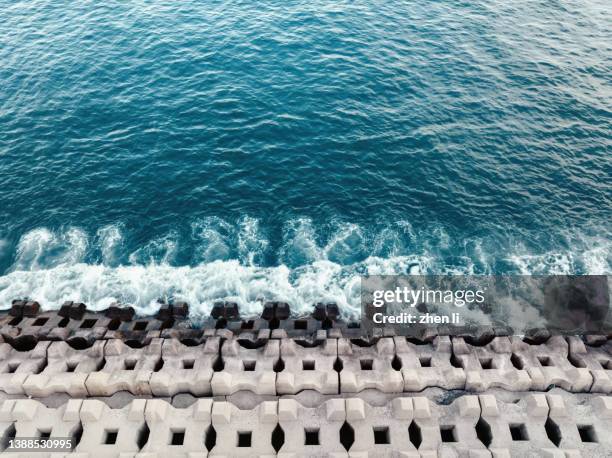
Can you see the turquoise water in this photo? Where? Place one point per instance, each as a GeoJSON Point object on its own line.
{"type": "Point", "coordinates": [276, 150]}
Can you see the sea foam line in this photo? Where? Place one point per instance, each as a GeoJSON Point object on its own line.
{"type": "Point", "coordinates": [70, 264]}
{"type": "Point", "coordinates": [201, 286]}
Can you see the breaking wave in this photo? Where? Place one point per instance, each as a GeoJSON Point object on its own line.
{"type": "Point", "coordinates": [217, 260]}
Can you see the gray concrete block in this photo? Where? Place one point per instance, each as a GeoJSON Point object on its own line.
{"type": "Point", "coordinates": [66, 371]}
{"type": "Point", "coordinates": [126, 369]}
{"type": "Point", "coordinates": [186, 369]}
{"type": "Point", "coordinates": [369, 367]}
{"type": "Point", "coordinates": [16, 366]}
{"type": "Point", "coordinates": [580, 425]}
{"type": "Point", "coordinates": [428, 365]}
{"type": "Point", "coordinates": [246, 369]}
{"type": "Point", "coordinates": [244, 432]}
{"type": "Point", "coordinates": [111, 432]}
{"type": "Point", "coordinates": [548, 364]}
{"type": "Point", "coordinates": [177, 432]}
{"type": "Point", "coordinates": [517, 429]}
{"type": "Point", "coordinates": [598, 360]}
{"type": "Point", "coordinates": [311, 432]}
{"type": "Point", "coordinates": [308, 367]}
{"type": "Point", "coordinates": [381, 431]}
{"type": "Point", "coordinates": [490, 366]}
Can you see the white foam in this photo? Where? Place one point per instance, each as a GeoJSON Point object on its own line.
{"type": "Point", "coordinates": [213, 240]}
{"type": "Point", "coordinates": [200, 286]}
{"type": "Point", "coordinates": [161, 250]}
{"type": "Point", "coordinates": [41, 248]}
{"type": "Point", "coordinates": [552, 263]}
{"type": "Point", "coordinates": [346, 245]}
{"type": "Point", "coordinates": [110, 241]}
{"type": "Point", "coordinates": [300, 243]}
{"type": "Point", "coordinates": [252, 241]}
{"type": "Point", "coordinates": [49, 265]}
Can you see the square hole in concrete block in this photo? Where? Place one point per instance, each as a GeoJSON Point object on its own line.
{"type": "Point", "coordinates": [366, 364]}
{"type": "Point", "coordinates": [486, 363]}
{"type": "Point", "coordinates": [15, 321]}
{"type": "Point", "coordinates": [12, 367]}
{"type": "Point", "coordinates": [44, 433]}
{"type": "Point", "coordinates": [425, 361]}
{"type": "Point", "coordinates": [587, 433]}
{"type": "Point", "coordinates": [381, 435]}
{"type": "Point", "coordinates": [244, 438]}
{"type": "Point", "coordinates": [518, 431]}
{"type": "Point", "coordinates": [71, 366]}
{"type": "Point", "coordinates": [129, 364]}
{"type": "Point", "coordinates": [545, 361]}
{"type": "Point", "coordinates": [308, 365]}
{"type": "Point", "coordinates": [110, 436]}
{"type": "Point", "coordinates": [87, 324]}
{"type": "Point", "coordinates": [40, 321]}
{"type": "Point", "coordinates": [447, 433]}
{"type": "Point", "coordinates": [300, 324]}
{"type": "Point", "coordinates": [188, 363]}
{"type": "Point", "coordinates": [311, 436]}
{"type": "Point", "coordinates": [140, 326]}
{"type": "Point", "coordinates": [606, 364]}
{"type": "Point", "coordinates": [248, 365]}
{"type": "Point", "coordinates": [177, 437]}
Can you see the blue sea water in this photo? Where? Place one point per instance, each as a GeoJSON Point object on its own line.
{"type": "Point", "coordinates": [249, 151]}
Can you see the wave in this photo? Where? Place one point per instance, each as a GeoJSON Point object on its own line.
{"type": "Point", "coordinates": [246, 263]}
{"type": "Point", "coordinates": [201, 286]}
{"type": "Point", "coordinates": [42, 248]}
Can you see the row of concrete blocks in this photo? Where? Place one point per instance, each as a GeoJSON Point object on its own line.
{"type": "Point", "coordinates": [75, 322]}
{"type": "Point", "coordinates": [50, 326]}
{"type": "Point", "coordinates": [167, 367]}
{"type": "Point", "coordinates": [24, 331]}
{"type": "Point", "coordinates": [25, 321]}
{"type": "Point", "coordinates": [472, 426]}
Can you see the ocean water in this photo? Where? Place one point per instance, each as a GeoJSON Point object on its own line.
{"type": "Point", "coordinates": [250, 151]}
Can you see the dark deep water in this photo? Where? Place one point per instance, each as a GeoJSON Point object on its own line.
{"type": "Point", "coordinates": [260, 150]}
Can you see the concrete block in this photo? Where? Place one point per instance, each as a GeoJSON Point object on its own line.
{"type": "Point", "coordinates": [490, 366]}
{"type": "Point", "coordinates": [596, 359]}
{"type": "Point", "coordinates": [369, 367]}
{"type": "Point", "coordinates": [308, 367]}
{"type": "Point", "coordinates": [186, 369]}
{"type": "Point", "coordinates": [577, 426]}
{"type": "Point", "coordinates": [246, 368]}
{"type": "Point", "coordinates": [177, 432]}
{"type": "Point", "coordinates": [548, 365]}
{"type": "Point", "coordinates": [33, 419]}
{"type": "Point", "coordinates": [66, 371]}
{"type": "Point", "coordinates": [112, 432]}
{"type": "Point", "coordinates": [125, 369]}
{"type": "Point", "coordinates": [380, 431]}
{"type": "Point", "coordinates": [16, 366]}
{"type": "Point", "coordinates": [311, 432]}
{"type": "Point", "coordinates": [428, 365]}
{"type": "Point", "coordinates": [244, 432]}
{"type": "Point", "coordinates": [515, 428]}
